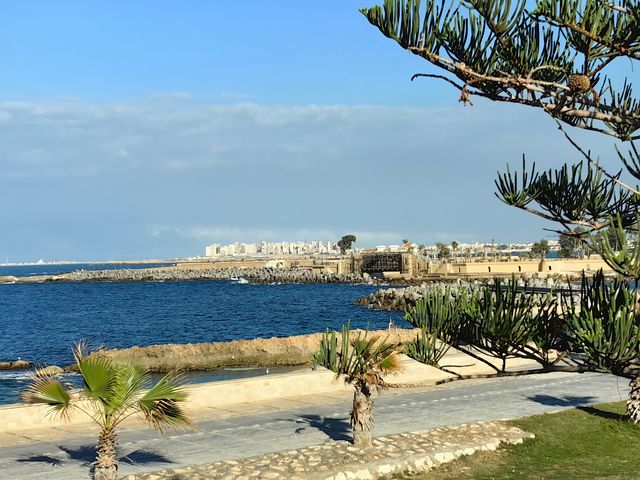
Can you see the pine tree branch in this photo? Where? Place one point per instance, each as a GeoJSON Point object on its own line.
{"type": "Point", "coordinates": [583, 223]}
{"type": "Point", "coordinates": [620, 50]}
{"type": "Point", "coordinates": [440, 77]}
{"type": "Point", "coordinates": [504, 40]}
{"type": "Point", "coordinates": [459, 68]}
{"type": "Point", "coordinates": [603, 64]}
{"type": "Point", "coordinates": [615, 7]}
{"type": "Point", "coordinates": [594, 163]}
{"type": "Point", "coordinates": [564, 104]}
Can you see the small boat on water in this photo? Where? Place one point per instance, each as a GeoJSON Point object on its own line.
{"type": "Point", "coordinates": [233, 279]}
{"type": "Point", "coordinates": [242, 281]}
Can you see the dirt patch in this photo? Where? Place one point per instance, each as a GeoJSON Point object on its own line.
{"type": "Point", "coordinates": [259, 352]}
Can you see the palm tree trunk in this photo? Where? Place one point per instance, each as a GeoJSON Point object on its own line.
{"type": "Point", "coordinates": [633, 403]}
{"type": "Point", "coordinates": [361, 419]}
{"type": "Point", "coordinates": [106, 464]}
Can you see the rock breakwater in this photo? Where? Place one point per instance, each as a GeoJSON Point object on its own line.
{"type": "Point", "coordinates": [263, 275]}
{"type": "Point", "coordinates": [405, 298]}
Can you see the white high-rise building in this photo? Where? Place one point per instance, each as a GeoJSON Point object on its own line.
{"type": "Point", "coordinates": [270, 248]}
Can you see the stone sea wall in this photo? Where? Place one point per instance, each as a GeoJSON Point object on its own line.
{"type": "Point", "coordinates": [263, 275]}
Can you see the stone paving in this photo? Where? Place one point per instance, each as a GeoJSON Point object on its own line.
{"type": "Point", "coordinates": [339, 460]}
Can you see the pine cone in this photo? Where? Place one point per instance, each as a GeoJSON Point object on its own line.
{"type": "Point", "coordinates": [579, 83]}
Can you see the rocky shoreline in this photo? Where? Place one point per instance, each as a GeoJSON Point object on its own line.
{"type": "Point", "coordinates": [405, 298]}
{"type": "Point", "coordinates": [16, 365]}
{"type": "Point", "coordinates": [258, 352]}
{"type": "Point", "coordinates": [295, 350]}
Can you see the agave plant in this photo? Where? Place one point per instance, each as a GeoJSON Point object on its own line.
{"type": "Point", "coordinates": [111, 393]}
{"type": "Point", "coordinates": [437, 314]}
{"type": "Point", "coordinates": [505, 322]}
{"type": "Point", "coordinates": [606, 329]}
{"type": "Point", "coordinates": [363, 362]}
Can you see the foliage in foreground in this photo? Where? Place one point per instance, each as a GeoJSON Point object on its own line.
{"type": "Point", "coordinates": [501, 320]}
{"type": "Point", "coordinates": [588, 442]}
{"type": "Point", "coordinates": [112, 392]}
{"type": "Point", "coordinates": [564, 59]}
{"type": "Point", "coordinates": [437, 316]}
{"type": "Point", "coordinates": [362, 361]}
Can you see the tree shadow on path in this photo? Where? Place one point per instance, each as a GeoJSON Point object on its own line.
{"type": "Point", "coordinates": [604, 413]}
{"type": "Point", "coordinates": [86, 455]}
{"type": "Point", "coordinates": [41, 459]}
{"type": "Point", "coordinates": [564, 401]}
{"type": "Point", "coordinates": [141, 457]}
{"type": "Point", "coordinates": [334, 428]}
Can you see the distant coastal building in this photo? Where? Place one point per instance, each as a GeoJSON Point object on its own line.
{"type": "Point", "coordinates": [271, 248]}
{"type": "Point", "coordinates": [317, 247]}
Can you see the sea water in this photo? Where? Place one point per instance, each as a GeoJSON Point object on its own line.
{"type": "Point", "coordinates": [41, 321]}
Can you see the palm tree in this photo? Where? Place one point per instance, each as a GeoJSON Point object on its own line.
{"type": "Point", "coordinates": [363, 362]}
{"type": "Point", "coordinates": [112, 393]}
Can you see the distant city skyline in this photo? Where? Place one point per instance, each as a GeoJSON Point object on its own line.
{"type": "Point", "coordinates": [319, 247]}
{"type": "Point", "coordinates": [217, 121]}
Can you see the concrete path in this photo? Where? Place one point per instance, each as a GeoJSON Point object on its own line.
{"type": "Point", "coordinates": [65, 452]}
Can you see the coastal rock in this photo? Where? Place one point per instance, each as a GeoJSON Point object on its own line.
{"type": "Point", "coordinates": [404, 299]}
{"type": "Point", "coordinates": [15, 365]}
{"type": "Point", "coordinates": [49, 371]}
{"type": "Point", "coordinates": [259, 352]}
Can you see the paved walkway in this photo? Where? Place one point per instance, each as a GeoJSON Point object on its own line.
{"type": "Point", "coordinates": [239, 431]}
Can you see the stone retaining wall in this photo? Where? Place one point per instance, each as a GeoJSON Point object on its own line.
{"type": "Point", "coordinates": [267, 387]}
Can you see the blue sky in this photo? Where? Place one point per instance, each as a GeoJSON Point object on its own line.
{"type": "Point", "coordinates": [135, 130]}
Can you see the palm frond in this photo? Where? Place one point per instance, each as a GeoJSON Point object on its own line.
{"type": "Point", "coordinates": [390, 364]}
{"type": "Point", "coordinates": [129, 386]}
{"type": "Point", "coordinates": [99, 377]}
{"type": "Point", "coordinates": [132, 378]}
{"type": "Point", "coordinates": [49, 391]}
{"type": "Point", "coordinates": [160, 405]}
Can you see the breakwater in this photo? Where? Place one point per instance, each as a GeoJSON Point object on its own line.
{"type": "Point", "coordinates": [264, 275]}
{"type": "Point", "coordinates": [404, 298]}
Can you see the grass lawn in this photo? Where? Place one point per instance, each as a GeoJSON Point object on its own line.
{"type": "Point", "coordinates": [585, 443]}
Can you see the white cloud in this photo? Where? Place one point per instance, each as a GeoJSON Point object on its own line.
{"type": "Point", "coordinates": [157, 135]}
{"type": "Point", "coordinates": [196, 173]}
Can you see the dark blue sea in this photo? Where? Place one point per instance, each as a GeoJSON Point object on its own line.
{"type": "Point", "coordinates": [41, 321]}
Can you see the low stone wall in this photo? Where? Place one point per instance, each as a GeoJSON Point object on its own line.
{"type": "Point", "coordinates": [392, 454]}
{"type": "Point", "coordinates": [255, 389]}
{"type": "Point", "coordinates": [265, 387]}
